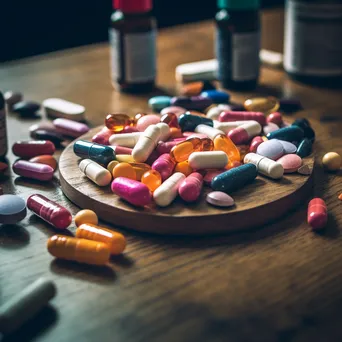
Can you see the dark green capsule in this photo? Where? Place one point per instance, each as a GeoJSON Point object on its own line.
{"type": "Point", "coordinates": [235, 178]}
{"type": "Point", "coordinates": [290, 133]}
{"type": "Point", "coordinates": [188, 122]}
{"type": "Point", "coordinates": [100, 153]}
{"type": "Point", "coordinates": [304, 124]}
{"type": "Point", "coordinates": [304, 149]}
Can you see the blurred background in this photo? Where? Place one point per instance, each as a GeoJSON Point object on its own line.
{"type": "Point", "coordinates": [31, 27]}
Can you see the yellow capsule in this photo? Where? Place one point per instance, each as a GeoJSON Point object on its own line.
{"type": "Point", "coordinates": [182, 151]}
{"type": "Point", "coordinates": [152, 179]}
{"type": "Point", "coordinates": [115, 241]}
{"type": "Point", "coordinates": [117, 122]}
{"type": "Point", "coordinates": [124, 158]}
{"type": "Point", "coordinates": [111, 165]}
{"type": "Point", "coordinates": [225, 144]}
{"type": "Point", "coordinates": [124, 170]}
{"type": "Point", "coordinates": [184, 168]}
{"type": "Point", "coordinates": [86, 216]}
{"type": "Point", "coordinates": [265, 105]}
{"type": "Point", "coordinates": [140, 169]}
{"type": "Point", "coordinates": [80, 250]}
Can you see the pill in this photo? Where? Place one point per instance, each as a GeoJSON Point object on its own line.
{"type": "Point", "coordinates": [188, 122]}
{"type": "Point", "coordinates": [182, 151]}
{"type": "Point", "coordinates": [32, 148]}
{"type": "Point", "coordinates": [3, 167]}
{"type": "Point", "coordinates": [80, 250]}
{"type": "Point", "coordinates": [216, 96]}
{"type": "Point", "coordinates": [265, 105]}
{"type": "Point", "coordinates": [152, 179]}
{"type": "Point", "coordinates": [173, 109]}
{"type": "Point", "coordinates": [256, 141]}
{"type": "Point", "coordinates": [132, 191]}
{"type": "Point", "coordinates": [192, 89]}
{"type": "Point", "coordinates": [54, 137]}
{"type": "Point", "coordinates": [125, 158]}
{"type": "Point", "coordinates": [37, 171]}
{"type": "Point", "coordinates": [170, 119]}
{"type": "Point", "coordinates": [124, 170]}
{"type": "Point", "coordinates": [111, 165]}
{"type": "Point", "coordinates": [208, 160]}
{"type": "Point", "coordinates": [226, 127]}
{"type": "Point", "coordinates": [26, 108]}
{"type": "Point", "coordinates": [164, 165]}
{"type": "Point", "coordinates": [158, 103]}
{"type": "Point", "coordinates": [233, 164]}
{"type": "Point", "coordinates": [235, 178]}
{"type": "Point", "coordinates": [70, 128]}
{"type": "Point", "coordinates": [192, 103]}
{"type": "Point", "coordinates": [220, 199]}
{"type": "Point", "coordinates": [25, 305]}
{"type": "Point", "coordinates": [332, 161]}
{"type": "Point", "coordinates": [146, 143]}
{"type": "Point", "coordinates": [304, 170]}
{"type": "Point", "coordinates": [140, 169]}
{"type": "Point", "coordinates": [42, 126]}
{"type": "Point", "coordinates": [45, 159]}
{"type": "Point", "coordinates": [129, 129]}
{"type": "Point", "coordinates": [117, 122]}
{"type": "Point", "coordinates": [271, 149]}
{"type": "Point", "coordinates": [245, 132]}
{"type": "Point", "coordinates": [164, 131]}
{"type": "Point", "coordinates": [175, 132]}
{"type": "Point", "coordinates": [190, 188]}
{"type": "Point", "coordinates": [100, 153]}
{"type": "Point", "coordinates": [207, 144]}
{"type": "Point", "coordinates": [290, 105]}
{"type": "Point", "coordinates": [59, 108]}
{"type": "Point", "coordinates": [224, 143]}
{"type": "Point", "coordinates": [12, 97]}
{"type": "Point", "coordinates": [184, 168]}
{"type": "Point", "coordinates": [265, 166]}
{"type": "Point", "coordinates": [275, 118]}
{"type": "Point", "coordinates": [214, 112]}
{"type": "Point", "coordinates": [165, 147]}
{"type": "Point", "coordinates": [291, 162]}
{"type": "Point", "coordinates": [115, 241]}
{"type": "Point", "coordinates": [340, 197]}
{"type": "Point", "coordinates": [291, 133]}
{"type": "Point", "coordinates": [12, 209]}
{"type": "Point", "coordinates": [167, 192]}
{"type": "Point", "coordinates": [228, 116]}
{"type": "Point", "coordinates": [270, 127]}
{"type": "Point", "coordinates": [152, 158]}
{"type": "Point", "coordinates": [86, 216]}
{"type": "Point", "coordinates": [125, 139]}
{"type": "Point", "coordinates": [121, 149]}
{"type": "Point", "coordinates": [146, 121]}
{"type": "Point", "coordinates": [211, 174]}
{"type": "Point", "coordinates": [317, 214]}
{"type": "Point", "coordinates": [211, 132]}
{"type": "Point", "coordinates": [190, 135]}
{"type": "Point", "coordinates": [95, 172]}
{"type": "Point", "coordinates": [304, 124]}
{"type": "Point", "coordinates": [102, 137]}
{"type": "Point", "coordinates": [289, 148]}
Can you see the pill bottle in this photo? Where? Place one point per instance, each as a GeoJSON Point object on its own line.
{"type": "Point", "coordinates": [312, 48]}
{"type": "Point", "coordinates": [132, 36]}
{"type": "Point", "coordinates": [238, 43]}
{"type": "Point", "coordinates": [3, 129]}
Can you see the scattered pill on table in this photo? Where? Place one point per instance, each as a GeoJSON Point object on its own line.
{"type": "Point", "coordinates": [38, 171]}
{"type": "Point", "coordinates": [220, 199]}
{"type": "Point", "coordinates": [215, 111]}
{"type": "Point", "coordinates": [189, 122]}
{"type": "Point", "coordinates": [124, 170]}
{"type": "Point", "coordinates": [95, 172]}
{"type": "Point", "coordinates": [146, 121]}
{"type": "Point", "coordinates": [86, 216]}
{"type": "Point", "coordinates": [158, 103]}
{"type": "Point", "coordinates": [192, 102]}
{"type": "Point", "coordinates": [42, 134]}
{"type": "Point", "coordinates": [173, 109]}
{"type": "Point", "coordinates": [152, 179]}
{"type": "Point", "coordinates": [290, 162]}
{"type": "Point", "coordinates": [12, 209]}
{"type": "Point", "coordinates": [231, 116]}
{"type": "Point", "coordinates": [289, 148]}
{"type": "Point", "coordinates": [207, 160]}
{"type": "Point", "coordinates": [59, 108]}
{"type": "Point", "coordinates": [270, 127]}
{"type": "Point", "coordinates": [265, 166]}
{"type": "Point", "coordinates": [305, 170]}
{"type": "Point", "coordinates": [332, 161]}
{"type": "Point", "coordinates": [70, 128]}
{"type": "Point", "coordinates": [244, 133]}
{"type": "Point", "coordinates": [33, 148]}
{"type": "Point", "coordinates": [304, 148]}
{"type": "Point", "coordinates": [216, 96]}
{"type": "Point", "coordinates": [12, 97]}
{"type": "Point", "coordinates": [290, 133]}
{"type": "Point", "coordinates": [265, 105]}
{"type": "Point", "coordinates": [45, 159]}
{"type": "Point", "coordinates": [190, 188]}
{"type": "Point", "coordinates": [275, 118]}
{"type": "Point", "coordinates": [271, 149]}
{"type": "Point", "coordinates": [26, 108]}
{"type": "Point", "coordinates": [317, 214]}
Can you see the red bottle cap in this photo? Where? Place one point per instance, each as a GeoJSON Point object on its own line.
{"type": "Point", "coordinates": [133, 6]}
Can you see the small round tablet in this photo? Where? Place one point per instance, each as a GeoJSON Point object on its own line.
{"type": "Point", "coordinates": [12, 209]}
{"type": "Point", "coordinates": [289, 148]}
{"type": "Point", "coordinates": [220, 199]}
{"type": "Point", "coordinates": [86, 216]}
{"type": "Point", "coordinates": [291, 162]}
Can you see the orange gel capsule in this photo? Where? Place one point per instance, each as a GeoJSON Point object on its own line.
{"type": "Point", "coordinates": [170, 119]}
{"type": "Point", "coordinates": [152, 179]}
{"type": "Point", "coordinates": [117, 122]}
{"type": "Point", "coordinates": [140, 169]}
{"type": "Point", "coordinates": [124, 170]}
{"type": "Point", "coordinates": [182, 151]}
{"type": "Point", "coordinates": [207, 144]}
{"type": "Point", "coordinates": [175, 133]}
{"type": "Point", "coordinates": [244, 149]}
{"type": "Point", "coordinates": [184, 168]}
{"type": "Point", "coordinates": [224, 143]}
{"type": "Point", "coordinates": [81, 250]}
{"type": "Point", "coordinates": [46, 159]}
{"type": "Point", "coordinates": [115, 241]}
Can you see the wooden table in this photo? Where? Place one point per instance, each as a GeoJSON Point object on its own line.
{"type": "Point", "coordinates": [277, 283]}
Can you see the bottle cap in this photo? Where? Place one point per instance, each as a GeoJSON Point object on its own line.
{"type": "Point", "coordinates": [238, 4]}
{"type": "Point", "coordinates": [133, 6]}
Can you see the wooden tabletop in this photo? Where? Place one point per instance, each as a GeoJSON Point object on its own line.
{"type": "Point", "coordinates": [281, 282]}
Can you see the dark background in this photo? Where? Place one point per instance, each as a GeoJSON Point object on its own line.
{"type": "Point", "coordinates": [31, 27]}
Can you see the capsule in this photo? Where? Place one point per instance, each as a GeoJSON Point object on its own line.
{"type": "Point", "coordinates": [317, 214]}
{"type": "Point", "coordinates": [132, 191]}
{"type": "Point", "coordinates": [125, 139]}
{"type": "Point", "coordinates": [266, 105]}
{"type": "Point", "coordinates": [304, 149]}
{"type": "Point", "coordinates": [214, 111]}
{"type": "Point", "coordinates": [210, 132]}
{"type": "Point", "coordinates": [146, 143]}
{"type": "Point", "coordinates": [164, 131]}
{"type": "Point", "coordinates": [208, 160]}
{"type": "Point", "coordinates": [191, 187]}
{"type": "Point", "coordinates": [140, 169]}
{"type": "Point", "coordinates": [265, 166]}
{"type": "Point", "coordinates": [117, 122]}
{"type": "Point", "coordinates": [51, 212]}
{"type": "Point", "coordinates": [184, 168]}
{"type": "Point", "coordinates": [224, 143]}
{"type": "Point", "coordinates": [124, 170]}
{"type": "Point", "coordinates": [226, 127]}
{"type": "Point", "coordinates": [164, 165]}
{"type": "Point", "coordinates": [170, 119]}
{"type": "Point", "coordinates": [207, 144]}
{"type": "Point", "coordinates": [275, 118]}
{"type": "Point", "coordinates": [166, 147]}
{"type": "Point", "coordinates": [304, 124]}
{"type": "Point", "coordinates": [70, 128]}
{"type": "Point", "coordinates": [158, 103]}
{"type": "Point", "coordinates": [173, 109]}
{"type": "Point", "coordinates": [80, 250]}
{"type": "Point", "coordinates": [188, 122]}
{"type": "Point", "coordinates": [152, 179]}
{"type": "Point", "coordinates": [121, 149]}
{"type": "Point", "coordinates": [46, 160]}
{"type": "Point", "coordinates": [130, 129]}
{"type": "Point", "coordinates": [125, 158]}
{"type": "Point", "coordinates": [216, 96]}
{"type": "Point", "coordinates": [256, 141]}
{"type": "Point", "coordinates": [99, 153]}
{"type": "Point", "coordinates": [31, 170]}
{"type": "Point", "coordinates": [245, 132]}
{"type": "Point", "coordinates": [167, 192]}
{"type": "Point", "coordinates": [54, 137]}
{"type": "Point", "coordinates": [95, 172]}
{"type": "Point", "coordinates": [102, 137]}
{"type": "Point", "coordinates": [115, 241]}
{"type": "Point", "coordinates": [111, 165]}
{"type": "Point", "coordinates": [175, 133]}
{"type": "Point", "coordinates": [227, 116]}
{"type": "Point", "coordinates": [235, 178]}
{"type": "Point", "coordinates": [182, 151]}
{"type": "Point", "coordinates": [192, 103]}
{"type": "Point", "coordinates": [290, 133]}
{"type": "Point", "coordinates": [33, 148]}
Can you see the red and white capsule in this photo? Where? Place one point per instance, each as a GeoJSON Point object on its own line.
{"type": "Point", "coordinates": [317, 214]}
{"type": "Point", "coordinates": [191, 187]}
{"type": "Point", "coordinates": [245, 132]}
{"type": "Point", "coordinates": [256, 141]}
{"type": "Point", "coordinates": [227, 116]}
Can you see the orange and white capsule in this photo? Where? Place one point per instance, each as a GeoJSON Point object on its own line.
{"type": "Point", "coordinates": [114, 240]}
{"type": "Point", "coordinates": [191, 187]}
{"type": "Point", "coordinates": [80, 250]}
{"type": "Point", "coordinates": [317, 214]}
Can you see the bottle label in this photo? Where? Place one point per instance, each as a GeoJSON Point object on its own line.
{"type": "Point", "coordinates": [238, 55]}
{"type": "Point", "coordinates": [3, 133]}
{"type": "Point", "coordinates": [133, 56]}
{"type": "Point", "coordinates": [313, 34]}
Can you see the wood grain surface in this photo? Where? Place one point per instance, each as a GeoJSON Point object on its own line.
{"type": "Point", "coordinates": [281, 282]}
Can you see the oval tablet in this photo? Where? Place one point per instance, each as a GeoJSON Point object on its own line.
{"type": "Point", "coordinates": [59, 108]}
{"type": "Point", "coordinates": [289, 148]}
{"type": "Point", "coordinates": [37, 171]}
{"type": "Point", "coordinates": [291, 162]}
{"type": "Point", "coordinates": [271, 149]}
{"type": "Point", "coordinates": [220, 199]}
{"type": "Point", "coordinates": [12, 209]}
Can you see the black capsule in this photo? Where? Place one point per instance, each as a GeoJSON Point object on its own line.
{"type": "Point", "coordinates": [42, 134]}
{"type": "Point", "coordinates": [188, 122]}
{"type": "Point", "coordinates": [290, 133]}
{"type": "Point", "coordinates": [304, 124]}
{"type": "Point", "coordinates": [26, 108]}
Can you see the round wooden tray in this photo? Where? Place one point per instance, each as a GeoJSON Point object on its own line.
{"type": "Point", "coordinates": [256, 204]}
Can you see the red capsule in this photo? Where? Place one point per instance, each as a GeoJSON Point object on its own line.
{"type": "Point", "coordinates": [317, 214]}
{"type": "Point", "coordinates": [256, 141]}
{"type": "Point", "coordinates": [275, 118]}
{"type": "Point", "coordinates": [164, 165]}
{"type": "Point", "coordinates": [103, 136]}
{"type": "Point", "coordinates": [191, 187]}
{"type": "Point", "coordinates": [33, 148]}
{"type": "Point", "coordinates": [228, 116]}
{"type": "Point", "coordinates": [31, 170]}
{"type": "Point", "coordinates": [130, 129]}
